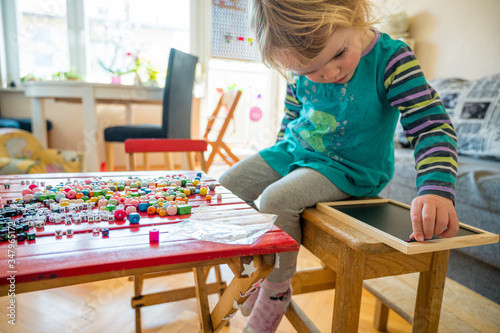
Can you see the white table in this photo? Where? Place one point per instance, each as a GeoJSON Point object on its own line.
{"type": "Point", "coordinates": [89, 94]}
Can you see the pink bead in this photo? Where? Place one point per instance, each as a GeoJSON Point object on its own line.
{"type": "Point", "coordinates": [120, 214]}
{"type": "Point", "coordinates": [88, 181]}
{"type": "Point", "coordinates": [28, 197]}
{"type": "Point", "coordinates": [127, 201]}
{"type": "Point", "coordinates": [130, 209]}
{"type": "Point", "coordinates": [154, 235]}
{"type": "Point", "coordinates": [71, 194]}
{"type": "Point", "coordinates": [102, 202]}
{"type": "Point", "coordinates": [32, 186]}
{"type": "Point", "coordinates": [27, 191]}
{"type": "Point", "coordinates": [122, 200]}
{"type": "Point", "coordinates": [172, 210]}
{"type": "Point", "coordinates": [134, 203]}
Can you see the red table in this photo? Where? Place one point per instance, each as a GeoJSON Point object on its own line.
{"type": "Point", "coordinates": [50, 262]}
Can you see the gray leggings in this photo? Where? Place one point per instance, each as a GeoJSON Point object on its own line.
{"type": "Point", "coordinates": [285, 196]}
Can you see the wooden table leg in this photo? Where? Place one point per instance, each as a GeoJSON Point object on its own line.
{"type": "Point", "coordinates": [430, 294]}
{"type": "Point", "coordinates": [236, 292]}
{"type": "Point", "coordinates": [137, 292]}
{"type": "Point", "coordinates": [202, 298]}
{"type": "Point", "coordinates": [348, 289]}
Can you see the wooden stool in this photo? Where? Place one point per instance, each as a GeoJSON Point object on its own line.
{"type": "Point", "coordinates": [351, 257]}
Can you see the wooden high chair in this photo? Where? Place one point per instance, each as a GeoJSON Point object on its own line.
{"type": "Point", "coordinates": [228, 100]}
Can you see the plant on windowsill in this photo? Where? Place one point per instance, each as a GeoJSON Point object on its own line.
{"type": "Point", "coordinates": [153, 72]}
{"type": "Point", "coordinates": [133, 66]}
{"type": "Point", "coordinates": [70, 75]}
{"type": "Point", "coordinates": [30, 77]}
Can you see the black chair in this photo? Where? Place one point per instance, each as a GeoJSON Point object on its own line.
{"type": "Point", "coordinates": [176, 118]}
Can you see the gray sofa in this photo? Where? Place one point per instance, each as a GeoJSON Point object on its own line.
{"type": "Point", "coordinates": [478, 186]}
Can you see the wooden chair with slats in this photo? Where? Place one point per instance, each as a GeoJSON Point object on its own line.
{"type": "Point", "coordinates": [229, 100]}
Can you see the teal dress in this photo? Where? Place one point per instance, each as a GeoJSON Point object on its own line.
{"type": "Point", "coordinates": [345, 131]}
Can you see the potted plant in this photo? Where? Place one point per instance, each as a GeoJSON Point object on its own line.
{"type": "Point", "coordinates": [133, 66]}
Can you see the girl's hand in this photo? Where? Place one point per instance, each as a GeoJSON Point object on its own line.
{"type": "Point", "coordinates": [433, 215]}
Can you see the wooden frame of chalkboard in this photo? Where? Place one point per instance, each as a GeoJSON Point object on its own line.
{"type": "Point", "coordinates": [380, 211]}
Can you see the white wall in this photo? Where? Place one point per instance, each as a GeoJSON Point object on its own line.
{"type": "Point", "coordinates": [459, 38]}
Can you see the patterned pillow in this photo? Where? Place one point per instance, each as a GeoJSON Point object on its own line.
{"type": "Point", "coordinates": [474, 109]}
{"type": "Point", "coordinates": [476, 117]}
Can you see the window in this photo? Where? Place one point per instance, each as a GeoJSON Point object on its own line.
{"type": "Point", "coordinates": [120, 31]}
{"type": "Point", "coordinates": [43, 38]}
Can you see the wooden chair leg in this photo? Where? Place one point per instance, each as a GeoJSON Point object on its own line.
{"type": "Point", "coordinates": [168, 161]}
{"type": "Point", "coordinates": [190, 158]}
{"type": "Point", "coordinates": [381, 316]}
{"type": "Point", "coordinates": [110, 156]}
{"type": "Point", "coordinates": [203, 162]}
{"type": "Point", "coordinates": [146, 161]}
{"type": "Point", "coordinates": [131, 160]}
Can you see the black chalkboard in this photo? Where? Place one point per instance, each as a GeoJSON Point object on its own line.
{"type": "Point", "coordinates": [388, 217]}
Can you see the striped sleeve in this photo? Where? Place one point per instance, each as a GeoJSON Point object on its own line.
{"type": "Point", "coordinates": [426, 124]}
{"type": "Point", "coordinates": [292, 109]}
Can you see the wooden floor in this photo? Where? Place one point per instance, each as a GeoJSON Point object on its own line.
{"type": "Point", "coordinates": [105, 307]}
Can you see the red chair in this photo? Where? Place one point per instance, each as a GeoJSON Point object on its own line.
{"type": "Point", "coordinates": [188, 146]}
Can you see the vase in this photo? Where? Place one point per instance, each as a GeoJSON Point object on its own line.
{"type": "Point", "coordinates": [116, 79]}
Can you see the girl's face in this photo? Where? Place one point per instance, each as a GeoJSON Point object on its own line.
{"type": "Point", "coordinates": [339, 59]}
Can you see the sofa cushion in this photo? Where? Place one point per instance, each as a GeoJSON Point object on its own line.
{"type": "Point", "coordinates": [474, 109]}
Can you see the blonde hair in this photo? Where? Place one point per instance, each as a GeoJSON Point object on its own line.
{"type": "Point", "coordinates": [302, 28]}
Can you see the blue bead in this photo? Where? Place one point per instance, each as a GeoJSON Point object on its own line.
{"type": "Point", "coordinates": [143, 206]}
{"type": "Point", "coordinates": [134, 218]}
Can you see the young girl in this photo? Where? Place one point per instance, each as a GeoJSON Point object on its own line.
{"type": "Point", "coordinates": [348, 85]}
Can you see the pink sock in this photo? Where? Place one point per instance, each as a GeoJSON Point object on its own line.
{"type": "Point", "coordinates": [270, 306]}
{"type": "Point", "coordinates": [247, 307]}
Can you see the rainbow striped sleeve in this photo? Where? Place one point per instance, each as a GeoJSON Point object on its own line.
{"type": "Point", "coordinates": [425, 123]}
{"type": "Point", "coordinates": [292, 109]}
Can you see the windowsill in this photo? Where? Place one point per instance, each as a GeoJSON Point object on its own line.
{"type": "Point", "coordinates": [12, 90]}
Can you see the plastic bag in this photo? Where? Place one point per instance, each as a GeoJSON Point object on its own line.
{"type": "Point", "coordinates": [222, 225]}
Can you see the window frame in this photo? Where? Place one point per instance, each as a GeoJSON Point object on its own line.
{"type": "Point", "coordinates": [78, 38]}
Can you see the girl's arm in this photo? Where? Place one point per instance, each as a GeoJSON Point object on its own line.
{"type": "Point", "coordinates": [292, 109]}
{"type": "Point", "coordinates": [433, 138]}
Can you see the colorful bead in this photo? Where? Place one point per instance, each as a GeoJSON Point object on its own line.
{"type": "Point", "coordinates": [172, 210]}
{"type": "Point", "coordinates": [184, 209]}
{"type": "Point", "coordinates": [120, 214]}
{"type": "Point", "coordinates": [134, 218]}
{"type": "Point", "coordinates": [154, 235]}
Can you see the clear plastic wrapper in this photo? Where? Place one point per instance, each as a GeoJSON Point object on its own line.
{"type": "Point", "coordinates": [222, 225]}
